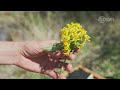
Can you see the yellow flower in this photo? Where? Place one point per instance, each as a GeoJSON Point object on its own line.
{"type": "Point", "coordinates": [73, 36]}
{"type": "Point", "coordinates": [67, 53]}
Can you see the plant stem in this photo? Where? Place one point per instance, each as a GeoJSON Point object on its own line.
{"type": "Point", "coordinates": [62, 66]}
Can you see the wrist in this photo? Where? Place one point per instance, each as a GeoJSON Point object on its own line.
{"type": "Point", "coordinates": [9, 52]}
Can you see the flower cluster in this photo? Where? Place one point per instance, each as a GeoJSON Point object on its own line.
{"type": "Point", "coordinates": [73, 36]}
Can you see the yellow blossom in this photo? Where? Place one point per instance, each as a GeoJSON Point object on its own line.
{"type": "Point", "coordinates": [73, 36]}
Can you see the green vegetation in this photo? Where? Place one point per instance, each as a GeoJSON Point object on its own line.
{"type": "Point", "coordinates": [102, 54]}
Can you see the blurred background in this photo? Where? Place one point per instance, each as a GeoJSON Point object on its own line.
{"type": "Point", "coordinates": [102, 54]}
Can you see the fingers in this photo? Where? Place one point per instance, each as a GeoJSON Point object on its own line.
{"type": "Point", "coordinates": [76, 50]}
{"type": "Point", "coordinates": [71, 56]}
{"type": "Point", "coordinates": [68, 67]}
{"type": "Point", "coordinates": [61, 55]}
{"type": "Point", "coordinates": [53, 74]}
{"type": "Point", "coordinates": [57, 55]}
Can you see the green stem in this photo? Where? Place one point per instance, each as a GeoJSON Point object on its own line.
{"type": "Point", "coordinates": [62, 66]}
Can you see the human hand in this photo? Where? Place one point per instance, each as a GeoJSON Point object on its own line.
{"type": "Point", "coordinates": [35, 59]}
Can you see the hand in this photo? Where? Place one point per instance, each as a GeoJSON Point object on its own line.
{"type": "Point", "coordinates": [35, 59]}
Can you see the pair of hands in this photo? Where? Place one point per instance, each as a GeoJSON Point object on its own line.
{"type": "Point", "coordinates": [35, 59]}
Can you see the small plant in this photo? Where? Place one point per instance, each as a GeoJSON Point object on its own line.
{"type": "Point", "coordinates": [73, 36]}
